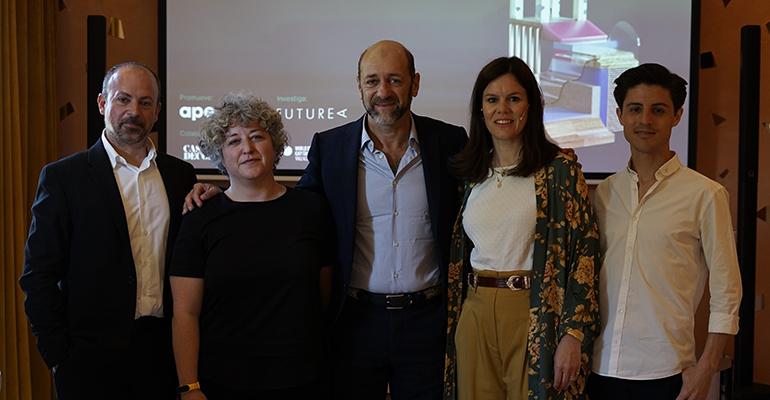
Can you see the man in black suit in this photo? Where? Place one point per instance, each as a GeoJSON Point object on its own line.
{"type": "Point", "coordinates": [95, 266]}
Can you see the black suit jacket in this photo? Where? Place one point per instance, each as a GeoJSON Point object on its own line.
{"type": "Point", "coordinates": [333, 172]}
{"type": "Point", "coordinates": [79, 273]}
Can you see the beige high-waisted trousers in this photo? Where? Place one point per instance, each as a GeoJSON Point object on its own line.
{"type": "Point", "coordinates": [492, 342]}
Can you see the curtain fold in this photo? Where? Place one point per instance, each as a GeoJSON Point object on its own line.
{"type": "Point", "coordinates": [29, 122]}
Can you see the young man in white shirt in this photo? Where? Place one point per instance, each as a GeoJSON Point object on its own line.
{"type": "Point", "coordinates": [665, 231]}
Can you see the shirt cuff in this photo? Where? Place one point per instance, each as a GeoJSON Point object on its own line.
{"type": "Point", "coordinates": [723, 323]}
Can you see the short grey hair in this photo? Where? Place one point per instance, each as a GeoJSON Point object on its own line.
{"type": "Point", "coordinates": [132, 64]}
{"type": "Point", "coordinates": [241, 109]}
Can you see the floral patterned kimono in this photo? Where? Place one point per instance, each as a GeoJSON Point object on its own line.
{"type": "Point", "coordinates": [564, 279]}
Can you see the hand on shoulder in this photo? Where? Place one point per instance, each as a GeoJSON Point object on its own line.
{"type": "Point", "coordinates": [200, 192]}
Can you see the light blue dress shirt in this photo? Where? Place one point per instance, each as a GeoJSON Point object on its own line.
{"type": "Point", "coordinates": [394, 251]}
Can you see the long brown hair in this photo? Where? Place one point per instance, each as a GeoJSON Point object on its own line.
{"type": "Point", "coordinates": [474, 161]}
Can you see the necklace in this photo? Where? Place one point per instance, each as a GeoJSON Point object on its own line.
{"type": "Point", "coordinates": [499, 175]}
{"type": "Point", "coordinates": [502, 172]}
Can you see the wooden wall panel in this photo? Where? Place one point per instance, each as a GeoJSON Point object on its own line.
{"type": "Point", "coordinates": [139, 19]}
{"type": "Point", "coordinates": [718, 111]}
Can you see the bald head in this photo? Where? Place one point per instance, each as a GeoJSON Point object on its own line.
{"type": "Point", "coordinates": [130, 65]}
{"type": "Point", "coordinates": [387, 49]}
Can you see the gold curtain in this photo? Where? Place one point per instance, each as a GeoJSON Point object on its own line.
{"type": "Point", "coordinates": [29, 121]}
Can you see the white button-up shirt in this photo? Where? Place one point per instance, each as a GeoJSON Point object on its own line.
{"type": "Point", "coordinates": [658, 254]}
{"type": "Point", "coordinates": [147, 214]}
{"type": "Point", "coordinates": [394, 250]}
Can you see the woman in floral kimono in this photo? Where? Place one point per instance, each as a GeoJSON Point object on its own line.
{"type": "Point", "coordinates": [523, 307]}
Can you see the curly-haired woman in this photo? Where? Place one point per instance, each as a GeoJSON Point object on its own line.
{"type": "Point", "coordinates": [249, 268]}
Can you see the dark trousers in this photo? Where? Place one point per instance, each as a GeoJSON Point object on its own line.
{"type": "Point", "coordinates": [373, 347]}
{"type": "Point", "coordinates": [145, 370]}
{"type": "Point", "coordinates": [606, 388]}
{"type": "Point", "coordinates": [317, 390]}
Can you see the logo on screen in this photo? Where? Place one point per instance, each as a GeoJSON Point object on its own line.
{"type": "Point", "coordinates": [195, 112]}
{"type": "Point", "coordinates": [193, 152]}
{"type": "Point", "coordinates": [311, 113]}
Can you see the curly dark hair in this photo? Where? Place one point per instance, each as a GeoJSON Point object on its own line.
{"type": "Point", "coordinates": [242, 109]}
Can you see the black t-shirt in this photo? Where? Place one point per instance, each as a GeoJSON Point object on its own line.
{"type": "Point", "coordinates": [261, 317]}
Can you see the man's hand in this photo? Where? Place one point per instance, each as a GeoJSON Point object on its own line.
{"type": "Point", "coordinates": [696, 383]}
{"type": "Point", "coordinates": [570, 152]}
{"type": "Point", "coordinates": [566, 362]}
{"type": "Point", "coordinates": [199, 193]}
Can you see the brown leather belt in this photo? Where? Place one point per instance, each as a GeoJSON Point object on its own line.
{"type": "Point", "coordinates": [513, 282]}
{"type": "Point", "coordinates": [395, 301]}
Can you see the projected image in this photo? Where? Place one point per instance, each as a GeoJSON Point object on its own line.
{"type": "Point", "coordinates": [583, 63]}
{"type": "Point", "coordinates": [301, 57]}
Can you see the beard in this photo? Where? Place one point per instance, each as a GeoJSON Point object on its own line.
{"type": "Point", "coordinates": [387, 118]}
{"type": "Point", "coordinates": [129, 135]}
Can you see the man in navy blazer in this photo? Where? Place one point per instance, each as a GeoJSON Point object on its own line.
{"type": "Point", "coordinates": [95, 267]}
{"type": "Point", "coordinates": [394, 204]}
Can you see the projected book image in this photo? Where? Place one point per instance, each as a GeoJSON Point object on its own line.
{"type": "Point", "coordinates": [584, 61]}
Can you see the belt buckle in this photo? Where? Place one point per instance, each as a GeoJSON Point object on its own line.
{"type": "Point", "coordinates": [395, 296]}
{"type": "Point", "coordinates": [515, 280]}
{"type": "Point", "coordinates": [473, 280]}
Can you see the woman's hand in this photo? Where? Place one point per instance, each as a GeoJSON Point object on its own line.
{"type": "Point", "coordinates": [199, 193]}
{"type": "Point", "coordinates": [193, 395]}
{"type": "Point", "coordinates": [566, 362]}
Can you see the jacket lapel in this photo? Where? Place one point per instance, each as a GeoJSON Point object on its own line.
{"type": "Point", "coordinates": [430, 151]}
{"type": "Point", "coordinates": [104, 177]}
{"type": "Point", "coordinates": [350, 149]}
{"type": "Point", "coordinates": [172, 195]}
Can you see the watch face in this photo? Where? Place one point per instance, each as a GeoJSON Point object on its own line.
{"type": "Point", "coordinates": [183, 389]}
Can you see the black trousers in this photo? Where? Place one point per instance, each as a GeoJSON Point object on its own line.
{"type": "Point", "coordinates": [373, 347]}
{"type": "Point", "coordinates": [145, 370]}
{"type": "Point", "coordinates": [317, 390]}
{"type": "Point", "coordinates": [606, 388]}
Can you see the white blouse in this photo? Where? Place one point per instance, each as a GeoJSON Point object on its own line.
{"type": "Point", "coordinates": [500, 219]}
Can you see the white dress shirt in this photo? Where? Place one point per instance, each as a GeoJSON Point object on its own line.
{"type": "Point", "coordinates": [147, 214]}
{"type": "Point", "coordinates": [658, 254]}
{"type": "Point", "coordinates": [394, 251]}
{"type": "Point", "coordinates": [500, 221]}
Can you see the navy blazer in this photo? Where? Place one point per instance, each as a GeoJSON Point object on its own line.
{"type": "Point", "coordinates": [333, 172]}
{"type": "Point", "coordinates": [79, 273]}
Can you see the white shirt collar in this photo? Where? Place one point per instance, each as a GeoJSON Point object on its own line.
{"type": "Point", "coordinates": [116, 158]}
{"type": "Point", "coordinates": [665, 170]}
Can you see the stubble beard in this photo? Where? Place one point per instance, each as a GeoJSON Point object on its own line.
{"type": "Point", "coordinates": [126, 135]}
{"type": "Point", "coordinates": [387, 118]}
